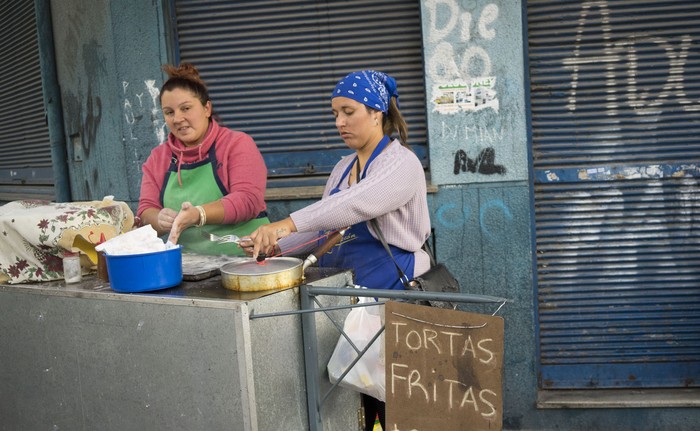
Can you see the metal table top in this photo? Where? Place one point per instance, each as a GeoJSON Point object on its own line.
{"type": "Point", "coordinates": [201, 292]}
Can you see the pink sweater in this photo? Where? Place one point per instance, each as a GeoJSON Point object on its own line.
{"type": "Point", "coordinates": [393, 191]}
{"type": "Point", "coordinates": [240, 167]}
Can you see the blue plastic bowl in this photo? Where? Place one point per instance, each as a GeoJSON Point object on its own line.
{"type": "Point", "coordinates": [146, 271]}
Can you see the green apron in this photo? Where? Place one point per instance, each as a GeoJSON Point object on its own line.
{"type": "Point", "coordinates": [200, 185]}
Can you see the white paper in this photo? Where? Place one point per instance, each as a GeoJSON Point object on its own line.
{"type": "Point", "coordinates": [142, 240]}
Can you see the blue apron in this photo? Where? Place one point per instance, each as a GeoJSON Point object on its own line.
{"type": "Point", "coordinates": [364, 254]}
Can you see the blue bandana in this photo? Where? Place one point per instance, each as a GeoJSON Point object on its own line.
{"type": "Point", "coordinates": [368, 87]}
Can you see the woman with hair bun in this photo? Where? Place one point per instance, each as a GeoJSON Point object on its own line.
{"type": "Point", "coordinates": [204, 177]}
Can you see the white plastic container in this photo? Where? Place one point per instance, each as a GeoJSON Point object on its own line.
{"type": "Point", "coordinates": [72, 272]}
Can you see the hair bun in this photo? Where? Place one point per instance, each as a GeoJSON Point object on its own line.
{"type": "Point", "coordinates": [184, 71]}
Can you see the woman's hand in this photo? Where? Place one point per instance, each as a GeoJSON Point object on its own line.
{"type": "Point", "coordinates": [247, 245]}
{"type": "Point", "coordinates": [264, 239]}
{"type": "Point", "coordinates": [165, 219]}
{"type": "Point", "coordinates": [188, 216]}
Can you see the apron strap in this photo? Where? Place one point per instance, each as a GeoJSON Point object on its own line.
{"type": "Point", "coordinates": [402, 277]}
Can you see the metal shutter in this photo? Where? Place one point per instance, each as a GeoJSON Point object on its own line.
{"type": "Point", "coordinates": [25, 147]}
{"type": "Point", "coordinates": [271, 66]}
{"type": "Point", "coordinates": [615, 100]}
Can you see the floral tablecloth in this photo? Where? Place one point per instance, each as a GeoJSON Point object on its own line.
{"type": "Point", "coordinates": [36, 234]}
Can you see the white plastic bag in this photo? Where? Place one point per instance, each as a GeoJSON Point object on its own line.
{"type": "Point", "coordinates": [368, 374]}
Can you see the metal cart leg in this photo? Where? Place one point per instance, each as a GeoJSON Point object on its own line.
{"type": "Point", "coordinates": [308, 330]}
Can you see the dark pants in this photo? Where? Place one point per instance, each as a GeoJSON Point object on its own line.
{"type": "Point", "coordinates": [372, 407]}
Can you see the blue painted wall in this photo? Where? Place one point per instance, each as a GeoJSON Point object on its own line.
{"type": "Point", "coordinates": [108, 58]}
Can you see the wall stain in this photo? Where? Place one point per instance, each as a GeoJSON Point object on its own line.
{"type": "Point", "coordinates": [93, 118]}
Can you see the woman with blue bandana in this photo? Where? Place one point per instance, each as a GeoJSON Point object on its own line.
{"type": "Point", "coordinates": [382, 180]}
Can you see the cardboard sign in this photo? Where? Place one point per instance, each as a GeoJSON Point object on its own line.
{"type": "Point", "coordinates": [443, 369]}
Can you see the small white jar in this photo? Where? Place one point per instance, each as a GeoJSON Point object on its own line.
{"type": "Point", "coordinates": [72, 272]}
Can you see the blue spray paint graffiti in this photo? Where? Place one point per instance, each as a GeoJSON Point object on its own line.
{"type": "Point", "coordinates": [456, 222]}
{"type": "Point", "coordinates": [497, 204]}
{"type": "Point", "coordinates": [450, 219]}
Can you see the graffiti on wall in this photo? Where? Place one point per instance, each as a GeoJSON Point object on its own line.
{"type": "Point", "coordinates": [463, 82]}
{"type": "Point", "coordinates": [454, 216]}
{"type": "Point", "coordinates": [139, 102]}
{"type": "Point", "coordinates": [464, 79]}
{"type": "Point", "coordinates": [624, 85]}
{"type": "Point", "coordinates": [484, 163]}
{"type": "Point", "coordinates": [484, 160]}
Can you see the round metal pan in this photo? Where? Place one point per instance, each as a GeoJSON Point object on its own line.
{"type": "Point", "coordinates": [275, 272]}
{"type": "Point", "coordinates": [251, 276]}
